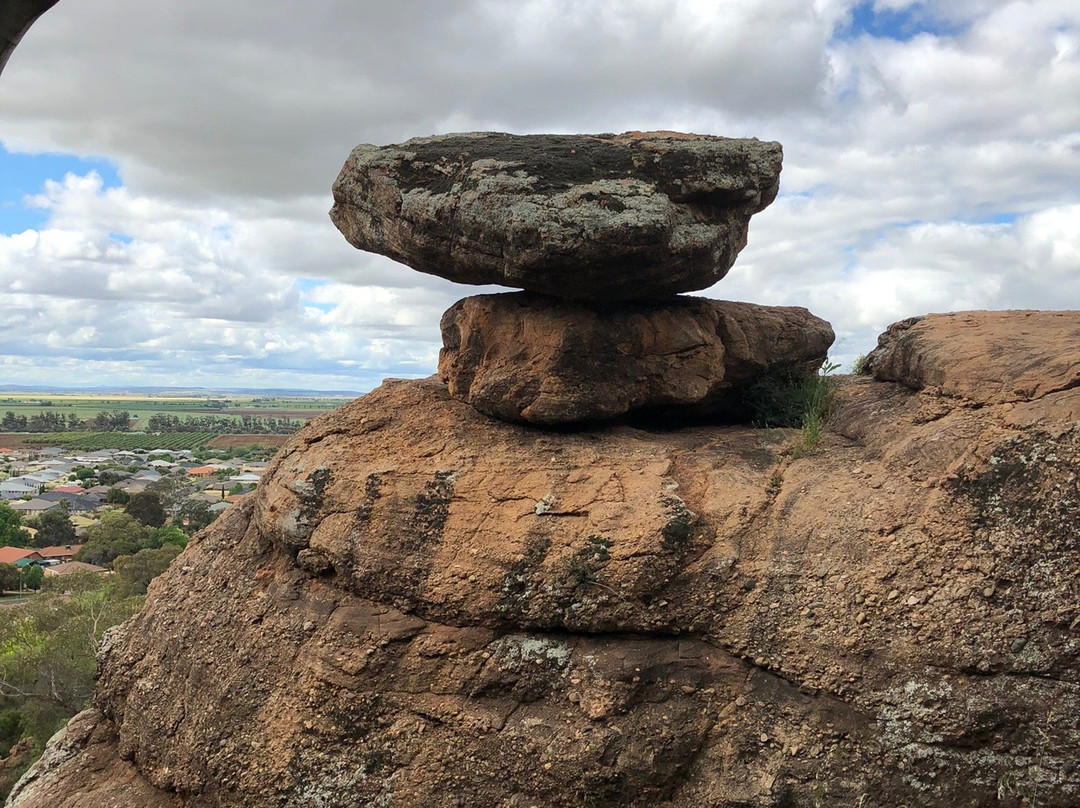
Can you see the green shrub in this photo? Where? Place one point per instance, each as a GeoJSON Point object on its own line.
{"type": "Point", "coordinates": [784, 400]}
{"type": "Point", "coordinates": [820, 392]}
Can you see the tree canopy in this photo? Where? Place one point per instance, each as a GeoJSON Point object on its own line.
{"type": "Point", "coordinates": [134, 572]}
{"type": "Point", "coordinates": [12, 532]}
{"type": "Point", "coordinates": [33, 575]}
{"type": "Point", "coordinates": [117, 496]}
{"type": "Point", "coordinates": [54, 528]}
{"type": "Point", "coordinates": [118, 533]}
{"type": "Point", "coordinates": [10, 578]}
{"type": "Point", "coordinates": [146, 507]}
{"type": "Point", "coordinates": [47, 647]}
{"type": "Point", "coordinates": [194, 515]}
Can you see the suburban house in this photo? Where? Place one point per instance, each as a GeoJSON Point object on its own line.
{"type": "Point", "coordinates": [70, 567]}
{"type": "Point", "coordinates": [18, 487]}
{"type": "Point", "coordinates": [76, 503]}
{"type": "Point", "coordinates": [33, 507]}
{"type": "Point", "coordinates": [60, 553]}
{"type": "Point", "coordinates": [60, 466]}
{"type": "Point", "coordinates": [15, 555]}
{"type": "Point", "coordinates": [43, 477]}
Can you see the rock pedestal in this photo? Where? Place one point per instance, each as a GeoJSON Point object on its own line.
{"type": "Point", "coordinates": [603, 232]}
{"type": "Point", "coordinates": [538, 360]}
{"type": "Point", "coordinates": [423, 607]}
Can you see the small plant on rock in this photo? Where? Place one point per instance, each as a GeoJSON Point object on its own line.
{"type": "Point", "coordinates": [820, 390]}
{"type": "Point", "coordinates": [586, 562]}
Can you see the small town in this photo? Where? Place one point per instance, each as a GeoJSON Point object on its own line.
{"type": "Point", "coordinates": [63, 512]}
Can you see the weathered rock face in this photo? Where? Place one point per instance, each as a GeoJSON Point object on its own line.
{"type": "Point", "coordinates": [607, 217]}
{"type": "Point", "coordinates": [426, 607]}
{"type": "Point", "coordinates": [961, 354]}
{"type": "Point", "coordinates": [538, 360]}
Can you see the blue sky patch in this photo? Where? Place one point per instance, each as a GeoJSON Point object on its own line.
{"type": "Point", "coordinates": [903, 24]}
{"type": "Point", "coordinates": [23, 175]}
{"type": "Point", "coordinates": [307, 285]}
{"type": "Point", "coordinates": [999, 218]}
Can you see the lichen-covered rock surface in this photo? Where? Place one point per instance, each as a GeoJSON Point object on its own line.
{"type": "Point", "coordinates": [583, 217]}
{"type": "Point", "coordinates": [425, 607]}
{"type": "Point", "coordinates": [533, 359]}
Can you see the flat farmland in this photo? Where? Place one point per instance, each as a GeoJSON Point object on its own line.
{"type": "Point", "coordinates": [243, 441]}
{"type": "Point", "coordinates": [141, 408]}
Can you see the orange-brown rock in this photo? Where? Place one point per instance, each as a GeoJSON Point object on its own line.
{"type": "Point", "coordinates": [426, 607]}
{"type": "Point", "coordinates": [985, 356]}
{"type": "Point", "coordinates": [539, 360]}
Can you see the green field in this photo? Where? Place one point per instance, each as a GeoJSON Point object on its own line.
{"type": "Point", "coordinates": [92, 441]}
{"type": "Point", "coordinates": [86, 407]}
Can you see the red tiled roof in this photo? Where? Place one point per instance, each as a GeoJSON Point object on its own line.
{"type": "Point", "coordinates": [9, 555]}
{"type": "Point", "coordinates": [69, 489]}
{"type": "Point", "coordinates": [60, 551]}
{"type": "Point", "coordinates": [200, 470]}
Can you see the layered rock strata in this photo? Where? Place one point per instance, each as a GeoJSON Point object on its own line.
{"type": "Point", "coordinates": [539, 360]}
{"type": "Point", "coordinates": [582, 217]}
{"type": "Point", "coordinates": [423, 606]}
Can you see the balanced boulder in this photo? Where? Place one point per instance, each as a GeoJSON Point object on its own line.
{"type": "Point", "coordinates": [582, 217]}
{"type": "Point", "coordinates": [535, 359]}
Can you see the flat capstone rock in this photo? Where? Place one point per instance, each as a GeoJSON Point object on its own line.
{"type": "Point", "coordinates": [582, 217]}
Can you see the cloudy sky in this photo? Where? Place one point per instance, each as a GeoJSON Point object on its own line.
{"type": "Point", "coordinates": [165, 168]}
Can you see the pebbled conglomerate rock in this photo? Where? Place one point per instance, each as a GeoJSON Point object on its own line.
{"type": "Point", "coordinates": [423, 606]}
{"type": "Point", "coordinates": [581, 217]}
{"type": "Point", "coordinates": [539, 360]}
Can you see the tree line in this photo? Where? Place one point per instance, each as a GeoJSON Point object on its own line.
{"type": "Point", "coordinates": [104, 421]}
{"type": "Point", "coordinates": [42, 422]}
{"type": "Point", "coordinates": [222, 424]}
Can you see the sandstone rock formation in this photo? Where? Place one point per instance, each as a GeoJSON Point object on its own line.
{"type": "Point", "coordinates": [423, 606]}
{"type": "Point", "coordinates": [539, 360]}
{"type": "Point", "coordinates": [602, 231]}
{"type": "Point", "coordinates": [582, 217]}
{"type": "Point", "coordinates": [961, 355]}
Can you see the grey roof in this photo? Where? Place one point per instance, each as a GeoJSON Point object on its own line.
{"type": "Point", "coordinates": [76, 502]}
{"type": "Point", "coordinates": [36, 504]}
